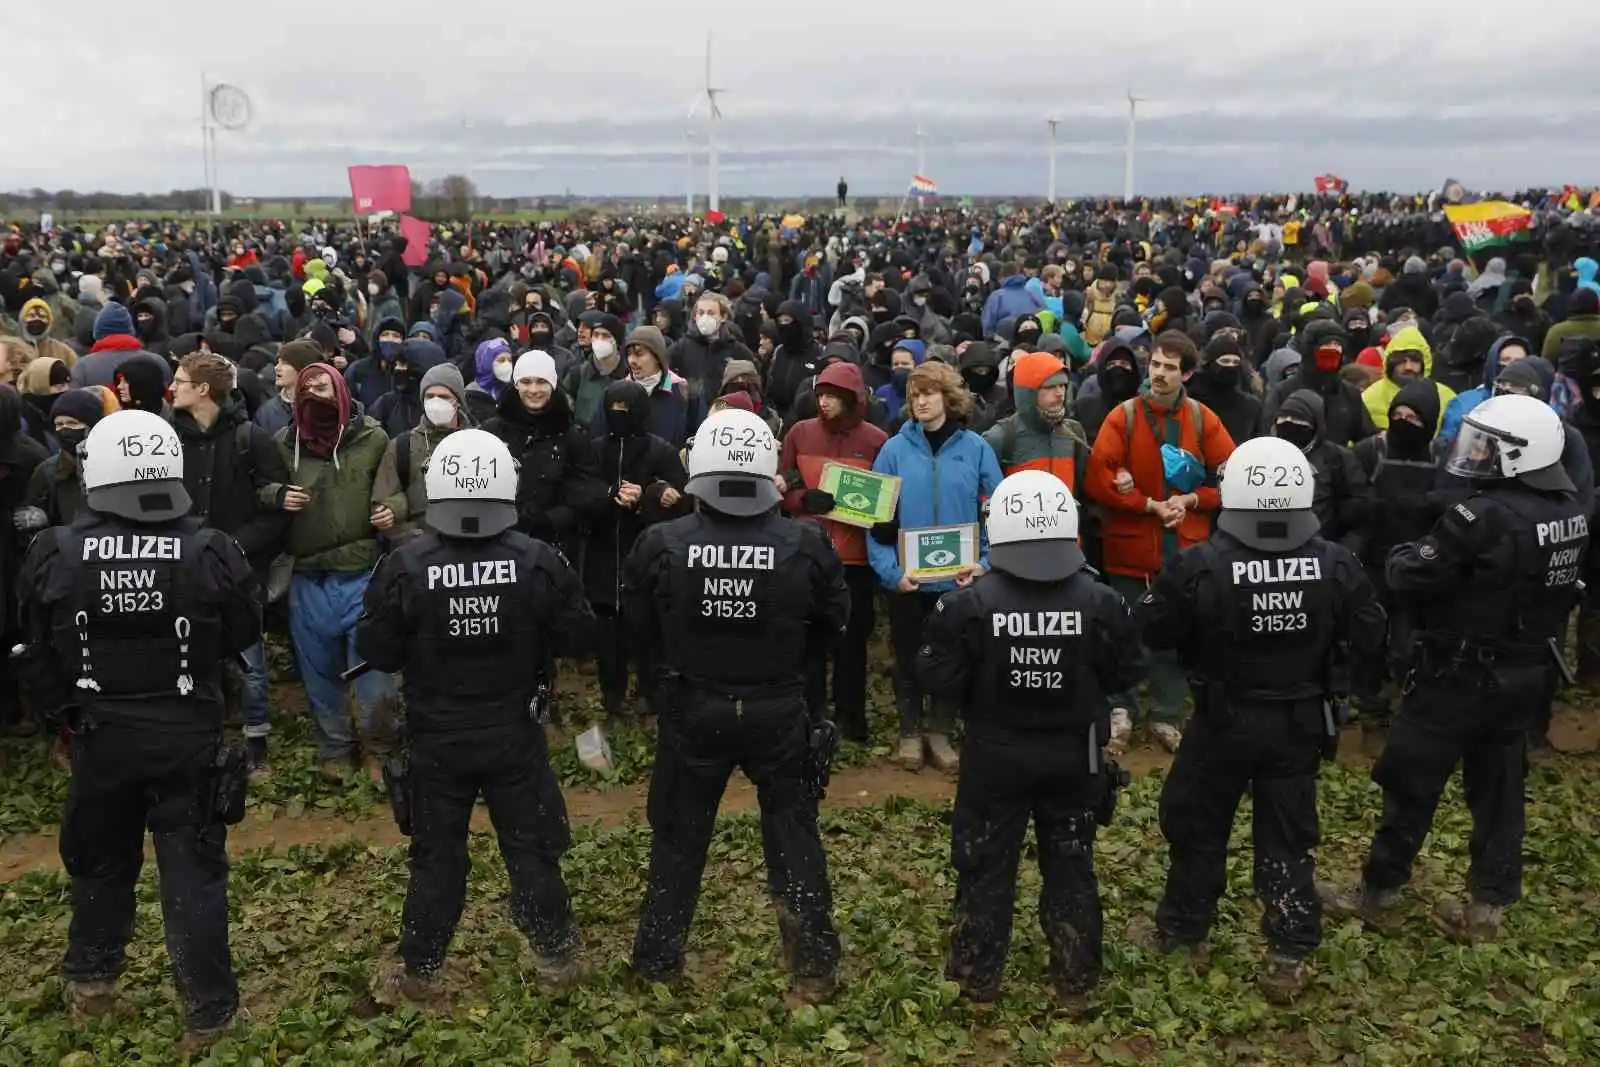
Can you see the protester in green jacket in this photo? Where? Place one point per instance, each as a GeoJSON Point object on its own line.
{"type": "Point", "coordinates": [333, 451]}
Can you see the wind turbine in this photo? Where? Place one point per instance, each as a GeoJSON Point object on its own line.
{"type": "Point", "coordinates": [713, 114]}
{"type": "Point", "coordinates": [1133, 121]}
{"type": "Point", "coordinates": [688, 163]}
{"type": "Point", "coordinates": [1052, 122]}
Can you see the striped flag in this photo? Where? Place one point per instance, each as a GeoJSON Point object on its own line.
{"type": "Point", "coordinates": [1488, 222]}
{"type": "Point", "coordinates": [921, 186]}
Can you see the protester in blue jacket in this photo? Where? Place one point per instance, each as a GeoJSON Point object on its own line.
{"type": "Point", "coordinates": [1012, 300]}
{"type": "Point", "coordinates": [946, 472]}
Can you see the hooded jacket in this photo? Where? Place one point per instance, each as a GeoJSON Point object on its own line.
{"type": "Point", "coordinates": [1347, 416]}
{"type": "Point", "coordinates": [850, 439]}
{"type": "Point", "coordinates": [1401, 506]}
{"type": "Point", "coordinates": [935, 490]}
{"type": "Point", "coordinates": [558, 487]}
{"type": "Point", "coordinates": [1090, 406]}
{"type": "Point", "coordinates": [702, 360]}
{"type": "Point", "coordinates": [645, 460]}
{"type": "Point", "coordinates": [1012, 300]}
{"type": "Point", "coordinates": [1461, 404]}
{"type": "Point", "coordinates": [1380, 394]}
{"type": "Point", "coordinates": [1340, 498]}
{"type": "Point", "coordinates": [792, 365]}
{"type": "Point", "coordinates": [334, 532]}
{"type": "Point", "coordinates": [19, 456]}
{"type": "Point", "coordinates": [236, 478]}
{"type": "Point", "coordinates": [1024, 441]}
{"type": "Point", "coordinates": [399, 409]}
{"type": "Point", "coordinates": [404, 492]}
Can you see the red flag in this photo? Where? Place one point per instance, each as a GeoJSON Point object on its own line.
{"type": "Point", "coordinates": [386, 188]}
{"type": "Point", "coordinates": [716, 218]}
{"type": "Point", "coordinates": [417, 233]}
{"type": "Point", "coordinates": [1331, 183]}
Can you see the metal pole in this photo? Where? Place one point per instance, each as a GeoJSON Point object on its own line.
{"type": "Point", "coordinates": [205, 129]}
{"type": "Point", "coordinates": [922, 160]}
{"type": "Point", "coordinates": [714, 200]}
{"type": "Point", "coordinates": [688, 173]}
{"type": "Point", "coordinates": [1127, 177]}
{"type": "Point", "coordinates": [1050, 195]}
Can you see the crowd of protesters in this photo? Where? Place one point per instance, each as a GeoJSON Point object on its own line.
{"type": "Point", "coordinates": [310, 373]}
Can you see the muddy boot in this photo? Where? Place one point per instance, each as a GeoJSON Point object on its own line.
{"type": "Point", "coordinates": [942, 754]}
{"type": "Point", "coordinates": [1472, 922]}
{"type": "Point", "coordinates": [1072, 996]}
{"type": "Point", "coordinates": [334, 771]}
{"type": "Point", "coordinates": [394, 985]}
{"type": "Point", "coordinates": [815, 989]}
{"type": "Point", "coordinates": [909, 755]}
{"type": "Point", "coordinates": [194, 1042]}
{"type": "Point", "coordinates": [1283, 979]}
{"type": "Point", "coordinates": [642, 981]}
{"type": "Point", "coordinates": [1121, 732]}
{"type": "Point", "coordinates": [1169, 736]}
{"type": "Point", "coordinates": [560, 974]}
{"type": "Point", "coordinates": [1375, 907]}
{"type": "Point", "coordinates": [255, 754]}
{"type": "Point", "coordinates": [90, 1000]}
{"type": "Point", "coordinates": [1588, 647]}
{"type": "Point", "coordinates": [1142, 933]}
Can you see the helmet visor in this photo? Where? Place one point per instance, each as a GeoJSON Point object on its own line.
{"type": "Point", "coordinates": [1480, 452]}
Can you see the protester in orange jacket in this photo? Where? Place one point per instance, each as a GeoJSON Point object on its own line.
{"type": "Point", "coordinates": [1155, 505]}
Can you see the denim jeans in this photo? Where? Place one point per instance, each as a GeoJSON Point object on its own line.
{"type": "Point", "coordinates": [1166, 684]}
{"type": "Point", "coordinates": [323, 609]}
{"type": "Point", "coordinates": [256, 708]}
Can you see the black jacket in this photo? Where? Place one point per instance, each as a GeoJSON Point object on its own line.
{"type": "Point", "coordinates": [647, 461]}
{"type": "Point", "coordinates": [235, 475]}
{"type": "Point", "coordinates": [558, 488]}
{"type": "Point", "coordinates": [19, 455]}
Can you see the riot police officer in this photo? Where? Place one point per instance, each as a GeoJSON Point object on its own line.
{"type": "Point", "coordinates": [132, 611]}
{"type": "Point", "coordinates": [1029, 650]}
{"type": "Point", "coordinates": [1269, 621]}
{"type": "Point", "coordinates": [463, 610]}
{"type": "Point", "coordinates": [1490, 589]}
{"type": "Point", "coordinates": [734, 601]}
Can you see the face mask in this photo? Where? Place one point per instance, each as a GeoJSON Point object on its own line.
{"type": "Point", "coordinates": [387, 350]}
{"type": "Point", "coordinates": [707, 325]}
{"type": "Point", "coordinates": [899, 376]}
{"type": "Point", "coordinates": [440, 412]}
{"type": "Point", "coordinates": [604, 349]}
{"type": "Point", "coordinates": [920, 301]}
{"type": "Point", "coordinates": [70, 440]}
{"type": "Point", "coordinates": [791, 334]}
{"type": "Point", "coordinates": [225, 325]}
{"type": "Point", "coordinates": [1120, 382]}
{"type": "Point", "coordinates": [372, 290]}
{"type": "Point", "coordinates": [403, 377]}
{"type": "Point", "coordinates": [619, 423]}
{"type": "Point", "coordinates": [1328, 361]}
{"type": "Point", "coordinates": [1296, 433]}
{"type": "Point", "coordinates": [36, 327]}
{"type": "Point", "coordinates": [1407, 438]}
{"type": "Point", "coordinates": [57, 267]}
{"type": "Point", "coordinates": [1225, 377]}
{"type": "Point", "coordinates": [501, 372]}
{"type": "Point", "coordinates": [979, 382]}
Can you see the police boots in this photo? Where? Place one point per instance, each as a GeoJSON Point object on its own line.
{"type": "Point", "coordinates": [942, 754]}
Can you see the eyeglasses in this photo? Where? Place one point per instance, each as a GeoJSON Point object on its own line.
{"type": "Point", "coordinates": [182, 381]}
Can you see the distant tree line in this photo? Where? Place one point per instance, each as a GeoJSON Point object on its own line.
{"type": "Point", "coordinates": [67, 201]}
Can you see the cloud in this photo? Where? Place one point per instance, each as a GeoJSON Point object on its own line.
{"type": "Point", "coordinates": [528, 102]}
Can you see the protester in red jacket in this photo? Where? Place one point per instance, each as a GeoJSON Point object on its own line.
{"type": "Point", "coordinates": [838, 433]}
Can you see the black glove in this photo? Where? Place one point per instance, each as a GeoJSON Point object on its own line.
{"type": "Point", "coordinates": [887, 533]}
{"type": "Point", "coordinates": [817, 502]}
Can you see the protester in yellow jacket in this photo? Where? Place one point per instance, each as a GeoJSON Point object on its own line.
{"type": "Point", "coordinates": [1409, 356]}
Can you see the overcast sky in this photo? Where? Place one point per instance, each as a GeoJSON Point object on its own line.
{"type": "Point", "coordinates": [528, 98]}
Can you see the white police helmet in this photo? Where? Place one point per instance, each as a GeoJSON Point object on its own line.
{"type": "Point", "coordinates": [1267, 489]}
{"type": "Point", "coordinates": [1033, 527]}
{"type": "Point", "coordinates": [1512, 436]}
{"type": "Point", "coordinates": [471, 481]}
{"type": "Point", "coordinates": [733, 462]}
{"type": "Point", "coordinates": [132, 466]}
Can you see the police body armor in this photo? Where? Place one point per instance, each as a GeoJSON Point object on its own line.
{"type": "Point", "coordinates": [1277, 627]}
{"type": "Point", "coordinates": [474, 639]}
{"type": "Point", "coordinates": [740, 598]}
{"type": "Point", "coordinates": [133, 617]}
{"type": "Point", "coordinates": [1035, 672]}
{"type": "Point", "coordinates": [1513, 614]}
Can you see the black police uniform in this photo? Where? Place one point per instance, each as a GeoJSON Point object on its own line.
{"type": "Point", "coordinates": [1267, 639]}
{"type": "Point", "coordinates": [1490, 587]}
{"type": "Point", "coordinates": [468, 620]}
{"type": "Point", "coordinates": [733, 609]}
{"type": "Point", "coordinates": [131, 623]}
{"type": "Point", "coordinates": [1030, 662]}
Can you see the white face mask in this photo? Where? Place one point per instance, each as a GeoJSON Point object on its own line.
{"type": "Point", "coordinates": [440, 412]}
{"type": "Point", "coordinates": [707, 324]}
{"type": "Point", "coordinates": [372, 290]}
{"type": "Point", "coordinates": [604, 349]}
{"type": "Point", "coordinates": [502, 372]}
